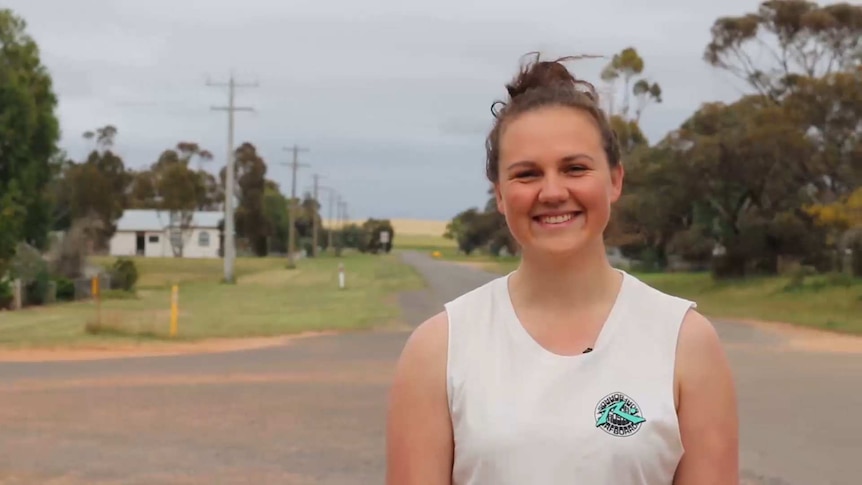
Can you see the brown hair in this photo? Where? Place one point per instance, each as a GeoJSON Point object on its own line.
{"type": "Point", "coordinates": [547, 83]}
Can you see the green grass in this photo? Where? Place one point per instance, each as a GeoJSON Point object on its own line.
{"type": "Point", "coordinates": [422, 242]}
{"type": "Point", "coordinates": [267, 300]}
{"type": "Point", "coordinates": [821, 302]}
{"type": "Point", "coordinates": [163, 272]}
{"type": "Point", "coordinates": [818, 303]}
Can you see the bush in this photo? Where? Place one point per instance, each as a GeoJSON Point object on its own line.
{"type": "Point", "coordinates": [124, 274]}
{"type": "Point", "coordinates": [36, 291]}
{"type": "Point", "coordinates": [856, 261]}
{"type": "Point", "coordinates": [5, 294]}
{"type": "Point", "coordinates": [65, 289]}
{"type": "Point", "coordinates": [27, 264]}
{"type": "Point", "coordinates": [306, 243]}
{"type": "Point", "coordinates": [837, 278]}
{"type": "Point", "coordinates": [798, 277]}
{"type": "Point", "coordinates": [648, 260]}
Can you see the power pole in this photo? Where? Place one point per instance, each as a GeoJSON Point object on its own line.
{"type": "Point", "coordinates": [330, 206]}
{"type": "Point", "coordinates": [332, 195]}
{"type": "Point", "coordinates": [315, 217]}
{"type": "Point", "coordinates": [229, 231]}
{"type": "Point", "coordinates": [344, 216]}
{"type": "Point", "coordinates": [291, 245]}
{"type": "Point", "coordinates": [336, 226]}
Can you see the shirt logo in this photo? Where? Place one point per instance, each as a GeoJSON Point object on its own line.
{"type": "Point", "coordinates": [618, 415]}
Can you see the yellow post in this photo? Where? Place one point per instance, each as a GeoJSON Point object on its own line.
{"type": "Point", "coordinates": [94, 290]}
{"type": "Point", "coordinates": [175, 301]}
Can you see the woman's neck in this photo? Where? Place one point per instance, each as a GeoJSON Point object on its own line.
{"type": "Point", "coordinates": [577, 280]}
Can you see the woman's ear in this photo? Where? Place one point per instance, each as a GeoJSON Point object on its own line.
{"type": "Point", "coordinates": [617, 175]}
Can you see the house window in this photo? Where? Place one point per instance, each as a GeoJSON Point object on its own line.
{"type": "Point", "coordinates": [154, 239]}
{"type": "Point", "coordinates": [203, 239]}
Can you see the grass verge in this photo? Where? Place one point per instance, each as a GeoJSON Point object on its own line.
{"type": "Point", "coordinates": [822, 302]}
{"type": "Point", "coordinates": [825, 302]}
{"type": "Point", "coordinates": [267, 300]}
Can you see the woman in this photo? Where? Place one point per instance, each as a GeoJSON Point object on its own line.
{"type": "Point", "coordinates": [565, 371]}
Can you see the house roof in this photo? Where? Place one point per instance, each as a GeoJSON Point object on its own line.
{"type": "Point", "coordinates": [153, 220]}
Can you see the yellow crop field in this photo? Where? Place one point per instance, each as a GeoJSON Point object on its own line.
{"type": "Point", "coordinates": [413, 227]}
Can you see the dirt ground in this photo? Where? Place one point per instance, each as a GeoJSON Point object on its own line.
{"type": "Point", "coordinates": [311, 409]}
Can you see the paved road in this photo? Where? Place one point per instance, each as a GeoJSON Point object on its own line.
{"type": "Point", "coordinates": [313, 411]}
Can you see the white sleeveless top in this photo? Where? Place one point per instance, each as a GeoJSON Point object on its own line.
{"type": "Point", "coordinates": [523, 415]}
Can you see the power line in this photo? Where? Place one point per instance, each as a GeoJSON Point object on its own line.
{"type": "Point", "coordinates": [291, 245]}
{"type": "Point", "coordinates": [229, 231]}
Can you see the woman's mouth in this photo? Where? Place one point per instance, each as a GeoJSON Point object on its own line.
{"type": "Point", "coordinates": [557, 219]}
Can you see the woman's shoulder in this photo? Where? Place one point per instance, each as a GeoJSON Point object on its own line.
{"type": "Point", "coordinates": [654, 309]}
{"type": "Point", "coordinates": [429, 341]}
{"type": "Point", "coordinates": [700, 348]}
{"type": "Point", "coordinates": [650, 294]}
{"type": "Point", "coordinates": [426, 344]}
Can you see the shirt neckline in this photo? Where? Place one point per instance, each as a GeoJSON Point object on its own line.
{"type": "Point", "coordinates": [520, 332]}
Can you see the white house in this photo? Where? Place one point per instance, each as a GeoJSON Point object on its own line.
{"type": "Point", "coordinates": [148, 233]}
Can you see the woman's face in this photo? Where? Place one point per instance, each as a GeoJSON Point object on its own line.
{"type": "Point", "coordinates": [555, 186]}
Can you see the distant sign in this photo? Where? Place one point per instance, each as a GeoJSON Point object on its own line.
{"type": "Point", "coordinates": [384, 237]}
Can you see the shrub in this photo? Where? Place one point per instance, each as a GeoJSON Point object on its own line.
{"type": "Point", "coordinates": [36, 291]}
{"type": "Point", "coordinates": [5, 294]}
{"type": "Point", "coordinates": [27, 264]}
{"type": "Point", "coordinates": [856, 261]}
{"type": "Point", "coordinates": [124, 274]}
{"type": "Point", "coordinates": [65, 289]}
{"type": "Point", "coordinates": [307, 244]}
{"type": "Point", "coordinates": [798, 277]}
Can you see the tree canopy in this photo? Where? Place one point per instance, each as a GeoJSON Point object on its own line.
{"type": "Point", "coordinates": [29, 132]}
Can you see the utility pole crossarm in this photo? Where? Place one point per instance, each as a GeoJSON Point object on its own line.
{"type": "Point", "coordinates": [228, 108]}
{"type": "Point", "coordinates": [233, 83]}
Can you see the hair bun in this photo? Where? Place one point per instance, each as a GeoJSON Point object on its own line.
{"type": "Point", "coordinates": [538, 73]}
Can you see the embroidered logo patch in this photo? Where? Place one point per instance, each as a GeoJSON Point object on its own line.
{"type": "Point", "coordinates": [618, 415]}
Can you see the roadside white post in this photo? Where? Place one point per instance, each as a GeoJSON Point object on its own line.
{"type": "Point", "coordinates": [341, 276]}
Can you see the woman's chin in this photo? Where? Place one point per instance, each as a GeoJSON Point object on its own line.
{"type": "Point", "coordinates": [564, 243]}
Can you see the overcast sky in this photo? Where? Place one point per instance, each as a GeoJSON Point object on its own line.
{"type": "Point", "coordinates": [391, 97]}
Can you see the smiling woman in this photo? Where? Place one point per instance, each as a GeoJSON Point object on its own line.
{"type": "Point", "coordinates": [565, 370]}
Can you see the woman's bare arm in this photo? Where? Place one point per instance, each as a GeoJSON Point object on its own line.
{"type": "Point", "coordinates": [707, 408]}
{"type": "Point", "coordinates": [418, 428]}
